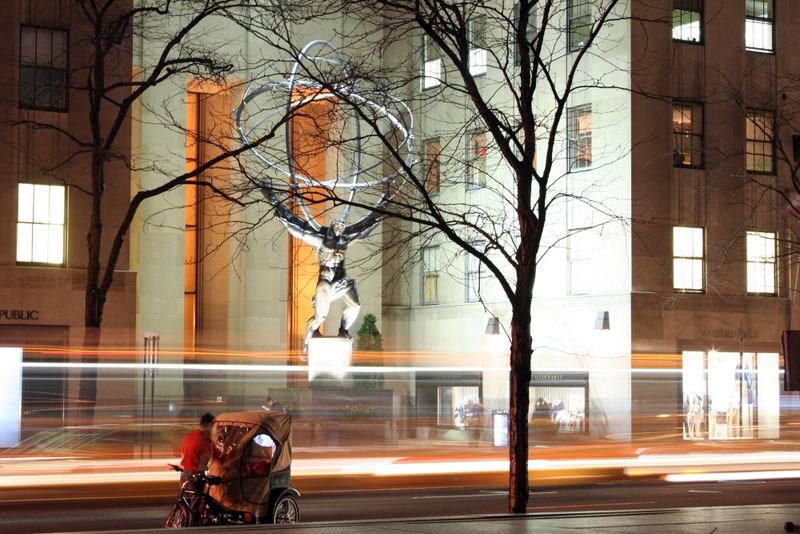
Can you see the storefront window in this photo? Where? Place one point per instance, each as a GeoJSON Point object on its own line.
{"type": "Point", "coordinates": [730, 395]}
{"type": "Point", "coordinates": [557, 410]}
{"type": "Point", "coordinates": [459, 406]}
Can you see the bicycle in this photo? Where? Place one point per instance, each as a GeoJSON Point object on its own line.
{"type": "Point", "coordinates": [211, 512]}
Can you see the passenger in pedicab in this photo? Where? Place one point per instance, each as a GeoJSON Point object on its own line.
{"type": "Point", "coordinates": [252, 453]}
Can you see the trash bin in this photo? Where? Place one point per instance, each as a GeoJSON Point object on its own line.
{"type": "Point", "coordinates": [500, 428]}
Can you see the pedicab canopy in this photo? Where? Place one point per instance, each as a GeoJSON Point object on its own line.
{"type": "Point", "coordinates": [251, 452]}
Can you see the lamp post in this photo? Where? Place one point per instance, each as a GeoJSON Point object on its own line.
{"type": "Point", "coordinates": [151, 347]}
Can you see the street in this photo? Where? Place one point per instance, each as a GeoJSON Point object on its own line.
{"type": "Point", "coordinates": [136, 506]}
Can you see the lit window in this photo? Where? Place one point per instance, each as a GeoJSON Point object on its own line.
{"type": "Point", "coordinates": [579, 133]}
{"type": "Point", "coordinates": [579, 26]}
{"type": "Point", "coordinates": [761, 262]}
{"type": "Point", "coordinates": [40, 223]}
{"type": "Point", "coordinates": [530, 31]}
{"type": "Point", "coordinates": [758, 34]}
{"type": "Point", "coordinates": [476, 160]}
{"type": "Point", "coordinates": [687, 134]}
{"type": "Point", "coordinates": [433, 151]}
{"type": "Point", "coordinates": [43, 68]}
{"type": "Point", "coordinates": [430, 275]}
{"type": "Point", "coordinates": [687, 259]}
{"type": "Point", "coordinates": [431, 64]}
{"type": "Point", "coordinates": [759, 149]}
{"type": "Point", "coordinates": [687, 20]}
{"type": "Point", "coordinates": [477, 46]}
{"type": "Point", "coordinates": [475, 276]}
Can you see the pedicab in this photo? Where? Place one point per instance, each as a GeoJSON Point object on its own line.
{"type": "Point", "coordinates": [249, 475]}
{"type": "Point", "coordinates": [251, 452]}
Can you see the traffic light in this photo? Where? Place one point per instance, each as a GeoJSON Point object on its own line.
{"type": "Point", "coordinates": [790, 340]}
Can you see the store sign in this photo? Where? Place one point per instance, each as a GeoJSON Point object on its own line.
{"type": "Point", "coordinates": [559, 379]}
{"type": "Point", "coordinates": [10, 396]}
{"type": "Point", "coordinates": [19, 315]}
{"type": "Point", "coordinates": [729, 333]}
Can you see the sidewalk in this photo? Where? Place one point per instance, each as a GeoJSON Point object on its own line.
{"type": "Point", "coordinates": [719, 520]}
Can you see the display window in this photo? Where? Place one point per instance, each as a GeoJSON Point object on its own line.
{"type": "Point", "coordinates": [561, 409]}
{"type": "Point", "coordinates": [459, 406]}
{"type": "Point", "coordinates": [730, 395]}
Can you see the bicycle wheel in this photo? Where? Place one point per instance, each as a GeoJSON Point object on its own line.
{"type": "Point", "coordinates": [180, 517]}
{"type": "Point", "coordinates": [286, 510]}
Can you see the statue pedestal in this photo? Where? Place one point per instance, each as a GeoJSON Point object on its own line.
{"type": "Point", "coordinates": [329, 357]}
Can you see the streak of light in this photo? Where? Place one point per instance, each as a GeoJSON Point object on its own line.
{"type": "Point", "coordinates": [722, 477]}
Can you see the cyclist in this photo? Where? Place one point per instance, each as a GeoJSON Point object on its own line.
{"type": "Point", "coordinates": [196, 452]}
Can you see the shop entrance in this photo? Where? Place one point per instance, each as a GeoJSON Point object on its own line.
{"type": "Point", "coordinates": [730, 395]}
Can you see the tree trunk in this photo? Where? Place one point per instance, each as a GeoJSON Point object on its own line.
{"type": "Point", "coordinates": [519, 401]}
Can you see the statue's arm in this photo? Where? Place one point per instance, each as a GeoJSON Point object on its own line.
{"type": "Point", "coordinates": [295, 225]}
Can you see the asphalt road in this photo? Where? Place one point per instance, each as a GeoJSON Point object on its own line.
{"type": "Point", "coordinates": [132, 506]}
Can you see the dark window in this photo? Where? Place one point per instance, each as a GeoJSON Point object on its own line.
{"type": "Point", "coordinates": [579, 23]}
{"type": "Point", "coordinates": [530, 31]}
{"type": "Point", "coordinates": [687, 134]}
{"type": "Point", "coordinates": [43, 68]}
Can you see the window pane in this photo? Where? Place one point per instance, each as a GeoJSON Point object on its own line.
{"type": "Point", "coordinates": [24, 242]}
{"type": "Point", "coordinates": [56, 215]}
{"type": "Point", "coordinates": [41, 203]}
{"type": "Point", "coordinates": [27, 86]}
{"type": "Point", "coordinates": [40, 247]}
{"type": "Point", "coordinates": [758, 35]}
{"type": "Point", "coordinates": [25, 203]}
{"type": "Point", "coordinates": [55, 244]}
{"type": "Point", "coordinates": [60, 50]}
{"type": "Point", "coordinates": [28, 46]}
{"type": "Point", "coordinates": [44, 51]}
{"type": "Point", "coordinates": [432, 170]}
{"type": "Point", "coordinates": [758, 8]}
{"type": "Point", "coordinates": [433, 74]}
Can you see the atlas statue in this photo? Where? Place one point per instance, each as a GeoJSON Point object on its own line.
{"type": "Point", "coordinates": [284, 184]}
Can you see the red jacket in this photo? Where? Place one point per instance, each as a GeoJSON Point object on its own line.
{"type": "Point", "coordinates": [196, 451]}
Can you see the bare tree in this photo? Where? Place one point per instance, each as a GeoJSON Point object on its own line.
{"type": "Point", "coordinates": [180, 46]}
{"type": "Point", "coordinates": [505, 77]}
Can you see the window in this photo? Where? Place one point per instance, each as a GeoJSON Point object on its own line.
{"type": "Point", "coordinates": [530, 30]}
{"type": "Point", "coordinates": [477, 46]}
{"type": "Point", "coordinates": [758, 133]}
{"type": "Point", "coordinates": [761, 263]}
{"type": "Point", "coordinates": [430, 275]}
{"type": "Point", "coordinates": [687, 134]}
{"type": "Point", "coordinates": [476, 160]}
{"type": "Point", "coordinates": [759, 17]}
{"type": "Point", "coordinates": [43, 68]}
{"type": "Point", "coordinates": [431, 64]}
{"type": "Point", "coordinates": [579, 134]}
{"type": "Point", "coordinates": [579, 23]}
{"type": "Point", "coordinates": [687, 20]}
{"type": "Point", "coordinates": [475, 277]}
{"type": "Point", "coordinates": [687, 259]}
{"type": "Point", "coordinates": [431, 176]}
{"type": "Point", "coordinates": [40, 223]}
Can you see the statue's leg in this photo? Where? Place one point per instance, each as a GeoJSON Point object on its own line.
{"type": "Point", "coordinates": [322, 305]}
{"type": "Point", "coordinates": [350, 312]}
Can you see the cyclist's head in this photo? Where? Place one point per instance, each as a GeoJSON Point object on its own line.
{"type": "Point", "coordinates": [206, 420]}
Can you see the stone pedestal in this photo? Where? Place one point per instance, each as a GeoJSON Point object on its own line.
{"type": "Point", "coordinates": [329, 357]}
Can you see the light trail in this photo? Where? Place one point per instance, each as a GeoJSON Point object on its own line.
{"type": "Point", "coordinates": [18, 473]}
